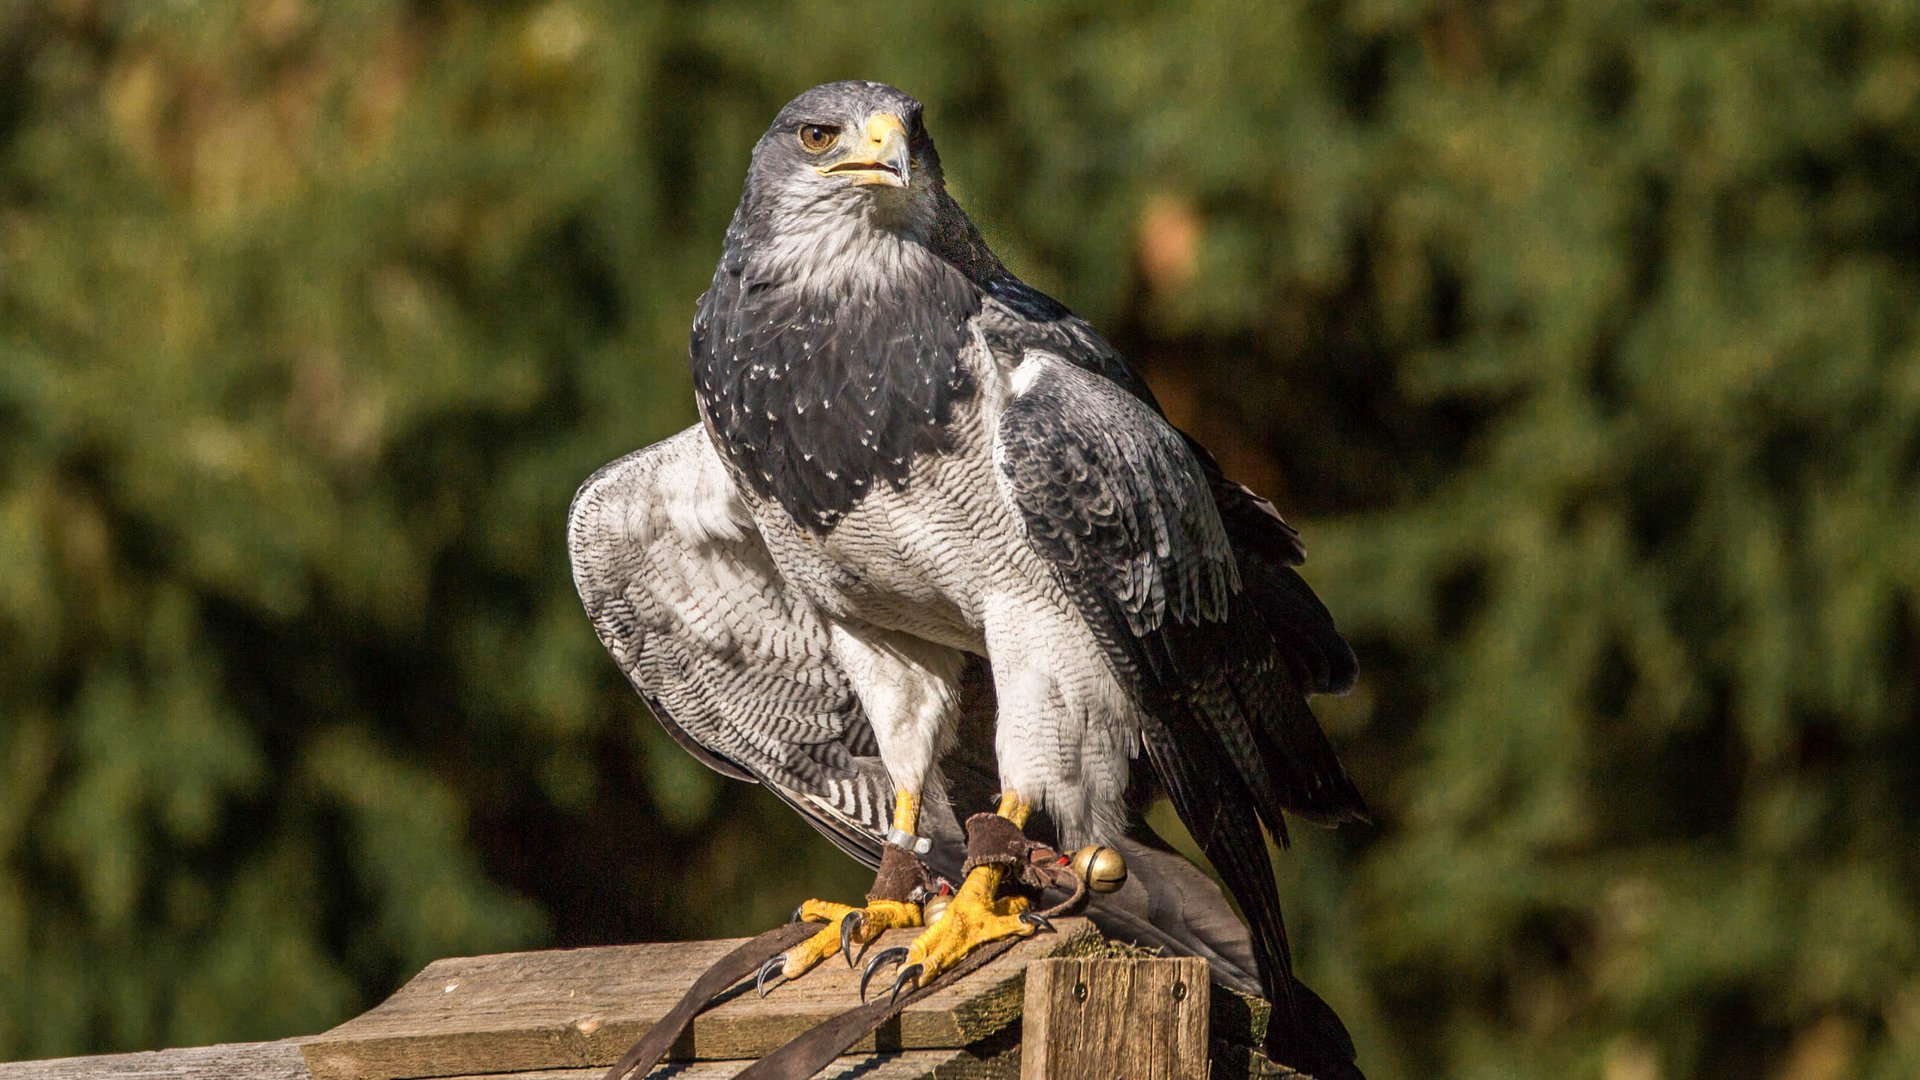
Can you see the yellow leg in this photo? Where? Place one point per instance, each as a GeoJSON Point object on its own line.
{"type": "Point", "coordinates": [906, 810]}
{"type": "Point", "coordinates": [867, 923]}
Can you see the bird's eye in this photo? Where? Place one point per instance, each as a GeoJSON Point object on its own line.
{"type": "Point", "coordinates": [818, 138]}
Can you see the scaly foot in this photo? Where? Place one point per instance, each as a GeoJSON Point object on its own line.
{"type": "Point", "coordinates": [974, 918]}
{"type": "Point", "coordinates": [900, 885]}
{"type": "Point", "coordinates": [846, 927]}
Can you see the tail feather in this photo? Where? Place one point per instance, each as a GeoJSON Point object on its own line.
{"type": "Point", "coordinates": [1210, 797]}
{"type": "Point", "coordinates": [1171, 905]}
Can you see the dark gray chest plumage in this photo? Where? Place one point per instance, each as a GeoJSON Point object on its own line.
{"type": "Point", "coordinates": [821, 387]}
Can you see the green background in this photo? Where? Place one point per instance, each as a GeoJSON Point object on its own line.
{"type": "Point", "coordinates": [1580, 340]}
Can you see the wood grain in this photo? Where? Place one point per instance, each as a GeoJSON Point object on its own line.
{"type": "Point", "coordinates": [232, 1061]}
{"type": "Point", "coordinates": [282, 1061]}
{"type": "Point", "coordinates": [579, 1008]}
{"type": "Point", "coordinates": [905, 1065]}
{"type": "Point", "coordinates": [1142, 1018]}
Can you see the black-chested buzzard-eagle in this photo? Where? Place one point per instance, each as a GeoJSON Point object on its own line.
{"type": "Point", "coordinates": [934, 549]}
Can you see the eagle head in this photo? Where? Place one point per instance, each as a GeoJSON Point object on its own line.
{"type": "Point", "coordinates": [848, 148]}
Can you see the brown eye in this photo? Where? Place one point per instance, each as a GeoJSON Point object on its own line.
{"type": "Point", "coordinates": [818, 138]}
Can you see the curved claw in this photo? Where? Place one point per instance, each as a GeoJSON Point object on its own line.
{"type": "Point", "coordinates": [1037, 921]}
{"type": "Point", "coordinates": [767, 971]}
{"type": "Point", "coordinates": [910, 973]}
{"type": "Point", "coordinates": [881, 959]}
{"type": "Point", "coordinates": [854, 921]}
{"type": "Point", "coordinates": [798, 910]}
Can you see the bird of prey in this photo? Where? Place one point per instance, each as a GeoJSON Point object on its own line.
{"type": "Point", "coordinates": [933, 548]}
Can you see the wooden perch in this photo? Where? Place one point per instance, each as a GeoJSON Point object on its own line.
{"type": "Point", "coordinates": [569, 1014]}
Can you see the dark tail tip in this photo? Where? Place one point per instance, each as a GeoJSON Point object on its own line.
{"type": "Point", "coordinates": [1315, 1041]}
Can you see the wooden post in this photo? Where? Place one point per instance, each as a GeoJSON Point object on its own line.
{"type": "Point", "coordinates": [1142, 1018]}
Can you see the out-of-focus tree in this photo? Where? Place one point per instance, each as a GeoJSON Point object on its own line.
{"type": "Point", "coordinates": [1581, 340]}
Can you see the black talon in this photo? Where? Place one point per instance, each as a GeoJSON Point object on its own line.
{"type": "Point", "coordinates": [1037, 920]}
{"type": "Point", "coordinates": [881, 959]}
{"type": "Point", "coordinates": [767, 969]}
{"type": "Point", "coordinates": [797, 909]}
{"type": "Point", "coordinates": [910, 973]}
{"type": "Point", "coordinates": [853, 921]}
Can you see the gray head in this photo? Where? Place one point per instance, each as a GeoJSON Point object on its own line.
{"type": "Point", "coordinates": [848, 148]}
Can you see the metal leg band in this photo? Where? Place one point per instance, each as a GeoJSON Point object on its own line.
{"type": "Point", "coordinates": [919, 845]}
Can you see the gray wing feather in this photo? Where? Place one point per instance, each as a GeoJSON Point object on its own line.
{"type": "Point", "coordinates": [682, 592]}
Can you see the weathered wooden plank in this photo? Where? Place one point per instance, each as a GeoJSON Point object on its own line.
{"type": "Point", "coordinates": [1144, 1018]}
{"type": "Point", "coordinates": [905, 1065]}
{"type": "Point", "coordinates": [577, 1008]}
{"type": "Point", "coordinates": [233, 1061]}
{"type": "Point", "coordinates": [283, 1061]}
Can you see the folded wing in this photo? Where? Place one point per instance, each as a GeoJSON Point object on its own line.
{"type": "Point", "coordinates": [682, 592]}
{"type": "Point", "coordinates": [1114, 497]}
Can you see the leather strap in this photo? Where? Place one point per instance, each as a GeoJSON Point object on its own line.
{"type": "Point", "coordinates": [902, 876]}
{"type": "Point", "coordinates": [726, 971]}
{"type": "Point", "coordinates": [818, 1047]}
{"type": "Point", "coordinates": [994, 841]}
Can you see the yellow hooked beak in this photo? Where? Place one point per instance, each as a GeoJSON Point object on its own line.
{"type": "Point", "coordinates": [882, 156]}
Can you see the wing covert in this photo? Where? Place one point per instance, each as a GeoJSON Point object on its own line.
{"type": "Point", "coordinates": [1108, 491]}
{"type": "Point", "coordinates": [1019, 319]}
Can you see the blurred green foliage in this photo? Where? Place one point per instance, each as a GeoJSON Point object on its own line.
{"type": "Point", "coordinates": [1581, 339]}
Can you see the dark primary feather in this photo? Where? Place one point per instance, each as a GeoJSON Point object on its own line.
{"type": "Point", "coordinates": [1268, 549]}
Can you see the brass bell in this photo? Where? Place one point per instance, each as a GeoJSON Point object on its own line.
{"type": "Point", "coordinates": [933, 907]}
{"type": "Point", "coordinates": [1104, 869]}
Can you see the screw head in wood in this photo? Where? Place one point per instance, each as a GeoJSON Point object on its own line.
{"type": "Point", "coordinates": [1180, 990]}
{"type": "Point", "coordinates": [1079, 991]}
{"type": "Point", "coordinates": [1103, 868]}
